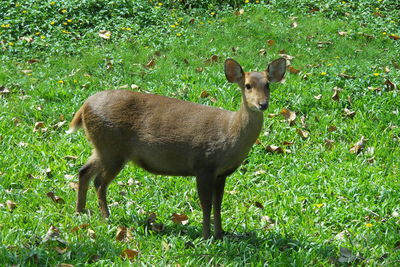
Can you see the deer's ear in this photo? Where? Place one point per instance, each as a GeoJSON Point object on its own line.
{"type": "Point", "coordinates": [233, 71]}
{"type": "Point", "coordinates": [276, 70]}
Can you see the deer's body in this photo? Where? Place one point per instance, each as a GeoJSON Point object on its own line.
{"type": "Point", "coordinates": [169, 137]}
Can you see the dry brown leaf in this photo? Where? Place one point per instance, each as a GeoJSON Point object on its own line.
{"type": "Point", "coordinates": [65, 265]}
{"type": "Point", "coordinates": [213, 99]}
{"type": "Point", "coordinates": [239, 12]}
{"type": "Point", "coordinates": [165, 245]}
{"type": "Point", "coordinates": [270, 42]}
{"type": "Point", "coordinates": [287, 57]}
{"type": "Point", "coordinates": [191, 21]}
{"type": "Point", "coordinates": [371, 160]}
{"type": "Point", "coordinates": [11, 205]}
{"type": "Point", "coordinates": [390, 86]}
{"type": "Point", "coordinates": [31, 61]}
{"type": "Point", "coordinates": [69, 157]}
{"type": "Point", "coordinates": [55, 198]}
{"type": "Point", "coordinates": [303, 133]}
{"type": "Point", "coordinates": [180, 218]}
{"type": "Point", "coordinates": [59, 124]}
{"type": "Point", "coordinates": [27, 39]}
{"type": "Point", "coordinates": [129, 254]}
{"type": "Point", "coordinates": [276, 149]}
{"type": "Point", "coordinates": [318, 97]}
{"type": "Point", "coordinates": [358, 147]}
{"type": "Point", "coordinates": [104, 34]}
{"type": "Point", "coordinates": [76, 228]}
{"type": "Point", "coordinates": [346, 76]}
{"type": "Point", "coordinates": [150, 64]}
{"type": "Point", "coordinates": [349, 113]}
{"type": "Point", "coordinates": [290, 116]}
{"type": "Point", "coordinates": [123, 234]}
{"type": "Point", "coordinates": [26, 71]}
{"type": "Point", "coordinates": [335, 96]}
{"type": "Point", "coordinates": [394, 37]}
{"type": "Point", "coordinates": [329, 143]}
{"type": "Point", "coordinates": [199, 69]}
{"type": "Point", "coordinates": [234, 49]}
{"type": "Point", "coordinates": [258, 205]}
{"type": "Point", "coordinates": [386, 69]}
{"type": "Point", "coordinates": [212, 59]}
{"type": "Point", "coordinates": [342, 33]}
{"type": "Point", "coordinates": [293, 70]}
{"type": "Point", "coordinates": [262, 52]}
{"type": "Point", "coordinates": [287, 143]}
{"type": "Point", "coordinates": [332, 128]}
{"type": "Point", "coordinates": [61, 250]}
{"type": "Point", "coordinates": [4, 90]}
{"type": "Point", "coordinates": [204, 94]}
{"type": "Point", "coordinates": [294, 24]}
{"type": "Point", "coordinates": [38, 126]}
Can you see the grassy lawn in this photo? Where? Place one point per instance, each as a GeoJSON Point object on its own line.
{"type": "Point", "coordinates": [324, 201]}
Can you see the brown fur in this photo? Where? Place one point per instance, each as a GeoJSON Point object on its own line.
{"type": "Point", "coordinates": [173, 137]}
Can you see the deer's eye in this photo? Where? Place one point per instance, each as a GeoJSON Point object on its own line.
{"type": "Point", "coordinates": [248, 86]}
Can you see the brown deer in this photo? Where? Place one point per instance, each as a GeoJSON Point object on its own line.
{"type": "Point", "coordinates": [174, 137]}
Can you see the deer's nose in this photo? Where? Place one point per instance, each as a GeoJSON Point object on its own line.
{"type": "Point", "coordinates": [263, 106]}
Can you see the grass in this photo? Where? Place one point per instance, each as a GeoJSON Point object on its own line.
{"type": "Point", "coordinates": [300, 208]}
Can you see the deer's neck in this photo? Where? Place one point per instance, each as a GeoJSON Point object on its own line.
{"type": "Point", "coordinates": [246, 125]}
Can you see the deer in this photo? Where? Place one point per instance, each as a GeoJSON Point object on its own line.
{"type": "Point", "coordinates": [168, 136]}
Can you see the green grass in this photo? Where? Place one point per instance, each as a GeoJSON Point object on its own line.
{"type": "Point", "coordinates": [320, 199]}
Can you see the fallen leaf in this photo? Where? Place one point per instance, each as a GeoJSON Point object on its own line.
{"type": "Point", "coordinates": [180, 218]}
{"type": "Point", "coordinates": [239, 12]}
{"type": "Point", "coordinates": [287, 57]}
{"type": "Point", "coordinates": [191, 21]}
{"type": "Point", "coordinates": [270, 42]}
{"type": "Point", "coordinates": [129, 254]}
{"type": "Point", "coordinates": [123, 234]}
{"type": "Point", "coordinates": [204, 94]}
{"type": "Point", "coordinates": [276, 149]}
{"type": "Point", "coordinates": [4, 90]}
{"type": "Point", "coordinates": [38, 125]}
{"type": "Point", "coordinates": [26, 71]}
{"type": "Point", "coordinates": [272, 115]}
{"type": "Point", "coordinates": [65, 265]}
{"type": "Point", "coordinates": [258, 205]}
{"type": "Point", "coordinates": [313, 10]}
{"type": "Point", "coordinates": [31, 61]}
{"type": "Point", "coordinates": [59, 124]}
{"type": "Point", "coordinates": [55, 198]}
{"type": "Point", "coordinates": [289, 115]}
{"type": "Point", "coordinates": [234, 49]}
{"type": "Point", "coordinates": [390, 86]}
{"type": "Point", "coordinates": [342, 33]}
{"type": "Point", "coordinates": [53, 234]}
{"type": "Point", "coordinates": [346, 76]}
{"type": "Point", "coordinates": [329, 143]}
{"type": "Point", "coordinates": [69, 157]}
{"type": "Point", "coordinates": [199, 69]}
{"type": "Point", "coordinates": [396, 65]}
{"type": "Point", "coordinates": [358, 146]}
{"type": "Point", "coordinates": [76, 228]}
{"type": "Point", "coordinates": [150, 64]}
{"type": "Point", "coordinates": [318, 97]}
{"type": "Point", "coordinates": [371, 160]}
{"type": "Point", "coordinates": [105, 34]}
{"type": "Point", "coordinates": [386, 69]}
{"type": "Point", "coordinates": [304, 134]}
{"type": "Point", "coordinates": [349, 113]}
{"type": "Point", "coordinates": [109, 64]}
{"type": "Point", "coordinates": [212, 59]}
{"type": "Point", "coordinates": [332, 128]}
{"type": "Point", "coordinates": [335, 95]}
{"type": "Point", "coordinates": [28, 39]}
{"type": "Point", "coordinates": [394, 37]}
{"type": "Point", "coordinates": [294, 24]}
{"type": "Point", "coordinates": [293, 70]}
{"type": "Point", "coordinates": [61, 250]}
{"type": "Point", "coordinates": [262, 52]}
{"type": "Point", "coordinates": [287, 143]}
{"type": "Point", "coordinates": [11, 205]}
